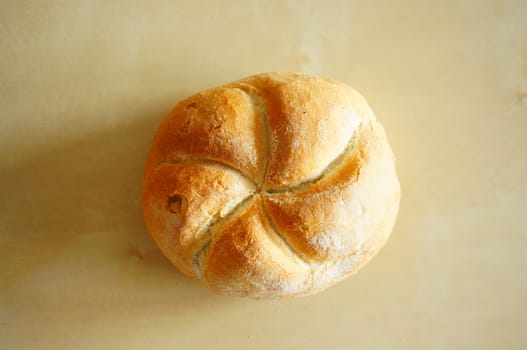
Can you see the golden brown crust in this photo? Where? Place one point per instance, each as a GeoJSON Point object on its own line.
{"type": "Point", "coordinates": [275, 185]}
{"type": "Point", "coordinates": [337, 215]}
{"type": "Point", "coordinates": [181, 200]}
{"type": "Point", "coordinates": [248, 259]}
{"type": "Point", "coordinates": [310, 123]}
{"type": "Point", "coordinates": [218, 124]}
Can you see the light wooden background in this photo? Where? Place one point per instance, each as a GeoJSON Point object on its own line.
{"type": "Point", "coordinates": [83, 85]}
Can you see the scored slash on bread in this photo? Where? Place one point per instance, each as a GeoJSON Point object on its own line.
{"type": "Point", "coordinates": [276, 185]}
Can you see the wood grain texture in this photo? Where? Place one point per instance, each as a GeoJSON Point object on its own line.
{"type": "Point", "coordinates": [84, 84]}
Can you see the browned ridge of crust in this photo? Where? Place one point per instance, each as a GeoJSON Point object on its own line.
{"type": "Point", "coordinates": [272, 186]}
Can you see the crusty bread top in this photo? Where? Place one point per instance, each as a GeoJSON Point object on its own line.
{"type": "Point", "coordinates": [275, 185]}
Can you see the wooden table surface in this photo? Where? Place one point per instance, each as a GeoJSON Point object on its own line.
{"type": "Point", "coordinates": [84, 84]}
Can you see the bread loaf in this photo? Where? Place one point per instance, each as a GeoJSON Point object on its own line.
{"type": "Point", "coordinates": [272, 186]}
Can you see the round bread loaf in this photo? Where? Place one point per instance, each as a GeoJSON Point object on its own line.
{"type": "Point", "coordinates": [275, 185]}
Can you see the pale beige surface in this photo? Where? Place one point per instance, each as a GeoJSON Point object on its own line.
{"type": "Point", "coordinates": [83, 86]}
